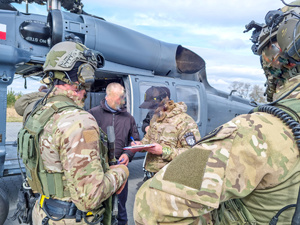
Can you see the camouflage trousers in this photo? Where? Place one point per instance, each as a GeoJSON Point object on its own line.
{"type": "Point", "coordinates": [38, 215]}
{"type": "Point", "coordinates": [153, 206]}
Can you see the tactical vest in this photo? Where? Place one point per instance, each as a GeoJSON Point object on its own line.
{"type": "Point", "coordinates": [245, 210]}
{"type": "Point", "coordinates": [48, 184]}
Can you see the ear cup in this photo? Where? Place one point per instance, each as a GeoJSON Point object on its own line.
{"type": "Point", "coordinates": [86, 74]}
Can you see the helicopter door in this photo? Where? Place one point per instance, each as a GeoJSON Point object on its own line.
{"type": "Point", "coordinates": [193, 94]}
{"type": "Point", "coordinates": [139, 85]}
{"type": "Point", "coordinates": [190, 92]}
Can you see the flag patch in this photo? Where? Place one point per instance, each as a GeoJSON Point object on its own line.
{"type": "Point", "coordinates": [3, 31]}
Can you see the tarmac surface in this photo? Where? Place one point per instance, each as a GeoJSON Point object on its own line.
{"type": "Point", "coordinates": [11, 184]}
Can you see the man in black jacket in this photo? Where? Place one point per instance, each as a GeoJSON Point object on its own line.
{"type": "Point", "coordinates": [111, 112]}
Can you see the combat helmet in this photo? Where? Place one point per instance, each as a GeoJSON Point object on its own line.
{"type": "Point", "coordinates": [67, 56]}
{"type": "Point", "coordinates": [277, 66]}
{"type": "Point", "coordinates": [288, 35]}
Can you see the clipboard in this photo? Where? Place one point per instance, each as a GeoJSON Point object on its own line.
{"type": "Point", "coordinates": [137, 148]}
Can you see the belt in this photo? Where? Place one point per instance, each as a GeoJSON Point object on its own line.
{"type": "Point", "coordinates": [58, 207]}
{"type": "Point", "coordinates": [57, 210]}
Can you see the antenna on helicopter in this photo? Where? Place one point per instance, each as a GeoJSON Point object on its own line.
{"type": "Point", "coordinates": [53, 4]}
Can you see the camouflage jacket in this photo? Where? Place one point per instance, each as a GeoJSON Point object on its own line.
{"type": "Point", "coordinates": [251, 155]}
{"type": "Point", "coordinates": [176, 133]}
{"type": "Point", "coordinates": [25, 104]}
{"type": "Point", "coordinates": [70, 144]}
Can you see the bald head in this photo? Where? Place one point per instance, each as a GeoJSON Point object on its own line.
{"type": "Point", "coordinates": [115, 95]}
{"type": "Point", "coordinates": [114, 88]}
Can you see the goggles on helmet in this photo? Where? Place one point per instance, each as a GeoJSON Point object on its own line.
{"type": "Point", "coordinates": [271, 54]}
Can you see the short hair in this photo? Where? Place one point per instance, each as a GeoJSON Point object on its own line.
{"type": "Point", "coordinates": [113, 88]}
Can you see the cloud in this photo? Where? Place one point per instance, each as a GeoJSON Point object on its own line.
{"type": "Point", "coordinates": [201, 23]}
{"type": "Point", "coordinates": [229, 43]}
{"type": "Point", "coordinates": [190, 11]}
{"type": "Point", "coordinates": [227, 66]}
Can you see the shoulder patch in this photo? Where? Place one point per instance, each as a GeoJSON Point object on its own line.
{"type": "Point", "coordinates": [210, 134]}
{"type": "Point", "coordinates": [90, 136]}
{"type": "Point", "coordinates": [191, 175]}
{"type": "Point", "coordinates": [190, 139]}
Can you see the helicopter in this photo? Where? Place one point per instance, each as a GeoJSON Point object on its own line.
{"type": "Point", "coordinates": [130, 58]}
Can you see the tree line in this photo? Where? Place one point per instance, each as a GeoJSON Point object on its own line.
{"type": "Point", "coordinates": [12, 97]}
{"type": "Point", "coordinates": [248, 91]}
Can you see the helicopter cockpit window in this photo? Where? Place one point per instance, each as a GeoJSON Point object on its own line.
{"type": "Point", "coordinates": [190, 96]}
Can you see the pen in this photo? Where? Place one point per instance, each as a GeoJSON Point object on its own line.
{"type": "Point", "coordinates": [120, 161]}
{"type": "Point", "coordinates": [133, 140]}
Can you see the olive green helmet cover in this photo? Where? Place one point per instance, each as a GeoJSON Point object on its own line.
{"type": "Point", "coordinates": [64, 55]}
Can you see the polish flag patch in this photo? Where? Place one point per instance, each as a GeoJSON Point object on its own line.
{"type": "Point", "coordinates": [3, 31]}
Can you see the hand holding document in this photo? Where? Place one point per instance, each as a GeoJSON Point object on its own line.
{"type": "Point", "coordinates": [137, 148]}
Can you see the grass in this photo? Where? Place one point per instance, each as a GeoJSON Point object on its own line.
{"type": "Point", "coordinates": [12, 115]}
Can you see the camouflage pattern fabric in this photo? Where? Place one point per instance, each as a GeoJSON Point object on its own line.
{"type": "Point", "coordinates": [287, 8]}
{"type": "Point", "coordinates": [70, 144]}
{"type": "Point", "coordinates": [277, 77]}
{"type": "Point", "coordinates": [64, 55]}
{"type": "Point", "coordinates": [288, 86]}
{"type": "Point", "coordinates": [172, 133]}
{"type": "Point", "coordinates": [250, 154]}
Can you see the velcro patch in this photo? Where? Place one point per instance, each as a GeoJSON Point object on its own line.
{"type": "Point", "coordinates": [190, 139]}
{"type": "Point", "coordinates": [188, 168]}
{"type": "Point", "coordinates": [90, 136]}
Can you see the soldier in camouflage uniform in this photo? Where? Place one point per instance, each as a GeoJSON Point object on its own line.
{"type": "Point", "coordinates": [246, 170]}
{"type": "Point", "coordinates": [146, 121]}
{"type": "Point", "coordinates": [72, 172]}
{"type": "Point", "coordinates": [172, 130]}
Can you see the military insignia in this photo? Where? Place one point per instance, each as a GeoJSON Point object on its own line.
{"type": "Point", "coordinates": [166, 150]}
{"type": "Point", "coordinates": [190, 138]}
{"type": "Point", "coordinates": [90, 135]}
{"type": "Point", "coordinates": [70, 59]}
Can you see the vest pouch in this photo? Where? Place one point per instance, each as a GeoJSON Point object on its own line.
{"type": "Point", "coordinates": [20, 141]}
{"type": "Point", "coordinates": [27, 151]}
{"type": "Point", "coordinates": [233, 212]}
{"type": "Point", "coordinates": [53, 184]}
{"type": "Point", "coordinates": [26, 148]}
{"type": "Point", "coordinates": [49, 184]}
